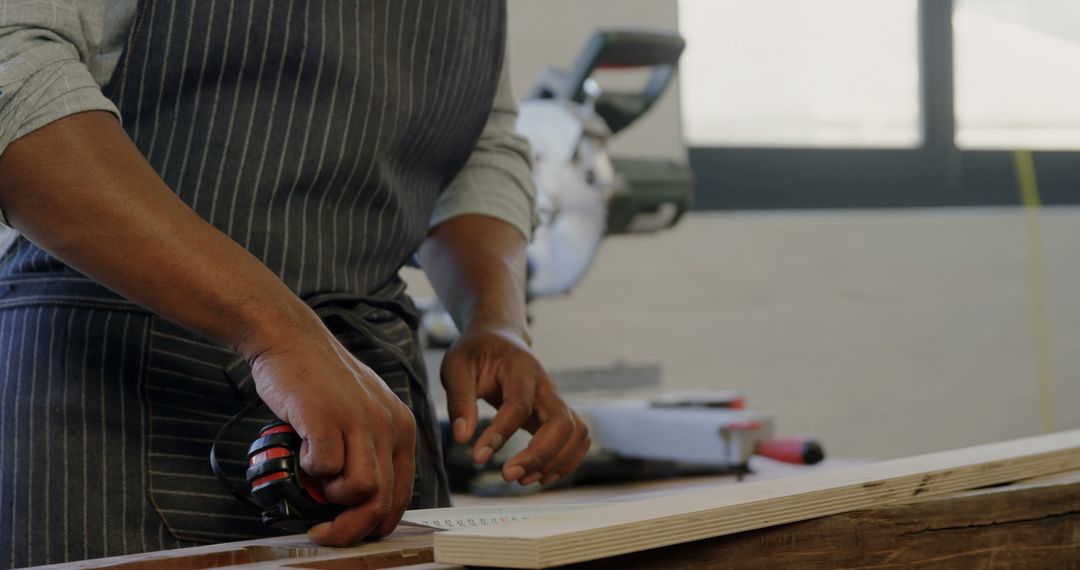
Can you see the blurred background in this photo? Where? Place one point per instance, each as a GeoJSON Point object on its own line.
{"type": "Point", "coordinates": [868, 256]}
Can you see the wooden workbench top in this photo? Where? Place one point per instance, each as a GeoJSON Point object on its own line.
{"type": "Point", "coordinates": [1030, 524]}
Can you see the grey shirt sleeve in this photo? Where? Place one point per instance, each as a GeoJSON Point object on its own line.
{"type": "Point", "coordinates": [45, 49]}
{"type": "Point", "coordinates": [497, 179]}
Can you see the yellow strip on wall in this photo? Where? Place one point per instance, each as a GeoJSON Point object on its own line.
{"type": "Point", "coordinates": [1029, 197]}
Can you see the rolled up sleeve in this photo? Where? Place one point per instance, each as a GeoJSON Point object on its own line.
{"type": "Point", "coordinates": [44, 49]}
{"type": "Point", "coordinates": [496, 181]}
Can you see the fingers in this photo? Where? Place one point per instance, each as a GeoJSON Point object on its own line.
{"type": "Point", "coordinates": [558, 427]}
{"type": "Point", "coordinates": [570, 456]}
{"type": "Point", "coordinates": [404, 465]}
{"type": "Point", "coordinates": [362, 477]}
{"type": "Point", "coordinates": [501, 369]}
{"type": "Point", "coordinates": [322, 453]}
{"type": "Point", "coordinates": [459, 379]}
{"type": "Point", "coordinates": [514, 410]}
{"type": "Point", "coordinates": [375, 478]}
{"type": "Point", "coordinates": [353, 524]}
{"type": "Point", "coordinates": [368, 483]}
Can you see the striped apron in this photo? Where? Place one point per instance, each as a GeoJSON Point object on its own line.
{"type": "Point", "coordinates": [317, 134]}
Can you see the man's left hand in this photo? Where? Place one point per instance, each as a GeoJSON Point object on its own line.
{"type": "Point", "coordinates": [496, 364]}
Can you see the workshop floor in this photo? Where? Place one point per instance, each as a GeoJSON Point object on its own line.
{"type": "Point", "coordinates": [885, 333]}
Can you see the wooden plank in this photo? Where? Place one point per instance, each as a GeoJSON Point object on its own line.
{"type": "Point", "coordinates": [641, 525]}
{"type": "Point", "coordinates": [1033, 524]}
{"type": "Point", "coordinates": [407, 545]}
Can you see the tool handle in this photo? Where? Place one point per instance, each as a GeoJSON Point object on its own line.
{"type": "Point", "coordinates": [800, 450]}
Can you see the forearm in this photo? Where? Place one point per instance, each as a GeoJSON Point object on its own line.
{"type": "Point", "coordinates": [81, 190]}
{"type": "Point", "coordinates": [477, 266]}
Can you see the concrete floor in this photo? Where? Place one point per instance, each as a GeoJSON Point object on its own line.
{"type": "Point", "coordinates": [885, 333]}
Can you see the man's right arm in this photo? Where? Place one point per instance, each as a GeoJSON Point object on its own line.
{"type": "Point", "coordinates": [80, 189]}
{"type": "Point", "coordinates": [73, 182]}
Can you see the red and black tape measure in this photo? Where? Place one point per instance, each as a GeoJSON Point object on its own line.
{"type": "Point", "coordinates": [289, 498]}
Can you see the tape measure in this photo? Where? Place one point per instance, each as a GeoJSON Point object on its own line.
{"type": "Point", "coordinates": [288, 498]}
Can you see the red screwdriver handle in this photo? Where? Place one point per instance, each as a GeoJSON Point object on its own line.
{"type": "Point", "coordinates": [800, 450]}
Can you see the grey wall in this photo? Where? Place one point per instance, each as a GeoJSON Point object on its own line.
{"type": "Point", "coordinates": [552, 32]}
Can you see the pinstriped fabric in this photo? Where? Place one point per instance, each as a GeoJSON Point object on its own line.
{"type": "Point", "coordinates": [298, 97]}
{"type": "Point", "coordinates": [70, 464]}
{"type": "Point", "coordinates": [189, 398]}
{"type": "Point", "coordinates": [318, 135]}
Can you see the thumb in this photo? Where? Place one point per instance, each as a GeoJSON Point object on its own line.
{"type": "Point", "coordinates": [459, 379]}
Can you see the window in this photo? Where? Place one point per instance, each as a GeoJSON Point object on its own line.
{"type": "Point", "coordinates": [797, 73]}
{"type": "Point", "coordinates": [1017, 74]}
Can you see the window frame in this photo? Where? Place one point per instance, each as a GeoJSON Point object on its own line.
{"type": "Point", "coordinates": [936, 173]}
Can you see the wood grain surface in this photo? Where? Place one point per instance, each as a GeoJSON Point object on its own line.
{"type": "Point", "coordinates": [1033, 524]}
{"type": "Point", "coordinates": [623, 528]}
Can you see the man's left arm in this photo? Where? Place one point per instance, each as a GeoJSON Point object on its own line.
{"type": "Point", "coordinates": [477, 266]}
{"type": "Point", "coordinates": [474, 257]}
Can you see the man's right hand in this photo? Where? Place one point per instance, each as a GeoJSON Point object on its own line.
{"type": "Point", "coordinates": [359, 438]}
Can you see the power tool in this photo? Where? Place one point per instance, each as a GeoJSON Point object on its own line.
{"type": "Point", "coordinates": [583, 193]}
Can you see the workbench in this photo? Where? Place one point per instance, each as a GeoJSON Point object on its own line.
{"type": "Point", "coordinates": [1028, 524]}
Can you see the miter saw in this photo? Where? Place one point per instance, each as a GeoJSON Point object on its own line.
{"type": "Point", "coordinates": [569, 119]}
{"type": "Point", "coordinates": [583, 194]}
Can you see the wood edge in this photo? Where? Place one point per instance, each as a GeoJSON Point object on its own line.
{"type": "Point", "coordinates": [545, 552]}
{"type": "Point", "coordinates": [930, 477]}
